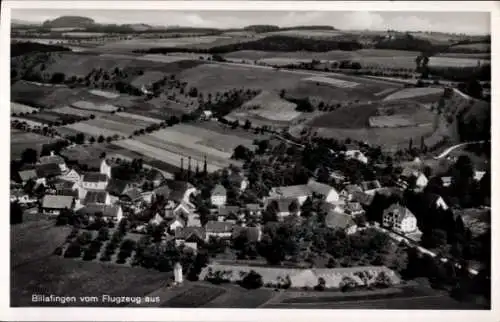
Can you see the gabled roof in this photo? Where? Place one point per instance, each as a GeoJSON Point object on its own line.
{"type": "Point", "coordinates": [26, 175]}
{"type": "Point", "coordinates": [400, 211]}
{"type": "Point", "coordinates": [57, 202]}
{"type": "Point", "coordinates": [48, 170]}
{"type": "Point", "coordinates": [218, 227]}
{"type": "Point", "coordinates": [106, 210]}
{"type": "Point", "coordinates": [291, 191]}
{"type": "Point", "coordinates": [319, 188]}
{"type": "Point", "coordinates": [95, 197]}
{"type": "Point", "coordinates": [227, 210]}
{"type": "Point", "coordinates": [351, 188]}
{"type": "Point", "coordinates": [94, 177]}
{"type": "Point", "coordinates": [338, 220]}
{"type": "Point", "coordinates": [186, 232]}
{"type": "Point", "coordinates": [51, 159]}
{"type": "Point", "coordinates": [219, 191]}
{"type": "Point", "coordinates": [133, 194]}
{"type": "Point", "coordinates": [370, 185]}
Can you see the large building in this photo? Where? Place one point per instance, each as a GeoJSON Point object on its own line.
{"type": "Point", "coordinates": [399, 219]}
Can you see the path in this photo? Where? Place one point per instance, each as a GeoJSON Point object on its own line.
{"type": "Point", "coordinates": [450, 149]}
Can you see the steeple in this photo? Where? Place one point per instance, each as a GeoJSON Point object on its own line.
{"type": "Point", "coordinates": [205, 165]}
{"type": "Point", "coordinates": [182, 164]}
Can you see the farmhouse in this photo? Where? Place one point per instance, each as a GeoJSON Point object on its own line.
{"type": "Point", "coordinates": [218, 229]}
{"type": "Point", "coordinates": [97, 197]}
{"type": "Point", "coordinates": [176, 223]}
{"type": "Point", "coordinates": [48, 170]}
{"type": "Point", "coordinates": [53, 205]}
{"type": "Point", "coordinates": [411, 176]}
{"type": "Point", "coordinates": [400, 219]}
{"type": "Point", "coordinates": [54, 159]}
{"type": "Point", "coordinates": [370, 187]}
{"type": "Point", "coordinates": [112, 213]}
{"type": "Point", "coordinates": [70, 175]}
{"type": "Point", "coordinates": [31, 174]}
{"type": "Point", "coordinates": [190, 237]}
{"type": "Point", "coordinates": [94, 181]}
{"type": "Point", "coordinates": [328, 193]}
{"type": "Point", "coordinates": [348, 192]}
{"type": "Point", "coordinates": [218, 196]}
{"type": "Point", "coordinates": [301, 192]}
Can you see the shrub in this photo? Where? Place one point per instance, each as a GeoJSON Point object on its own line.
{"type": "Point", "coordinates": [58, 251]}
{"type": "Point", "coordinates": [252, 280]}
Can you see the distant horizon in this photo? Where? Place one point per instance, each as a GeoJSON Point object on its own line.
{"type": "Point", "coordinates": [470, 23]}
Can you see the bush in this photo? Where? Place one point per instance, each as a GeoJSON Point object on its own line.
{"type": "Point", "coordinates": [74, 250]}
{"type": "Point", "coordinates": [252, 281]}
{"type": "Point", "coordinates": [58, 251]}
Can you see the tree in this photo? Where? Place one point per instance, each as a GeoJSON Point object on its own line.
{"type": "Point", "coordinates": [383, 280]}
{"type": "Point", "coordinates": [100, 139]}
{"type": "Point", "coordinates": [242, 153]}
{"type": "Point", "coordinates": [29, 156]}
{"type": "Point", "coordinates": [434, 238]}
{"type": "Point", "coordinates": [58, 78]}
{"type": "Point", "coordinates": [252, 281]}
{"type": "Point", "coordinates": [247, 125]}
{"type": "Point", "coordinates": [103, 234]}
{"type": "Point", "coordinates": [321, 284]}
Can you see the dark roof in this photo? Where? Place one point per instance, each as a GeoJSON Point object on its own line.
{"type": "Point", "coordinates": [399, 210]}
{"type": "Point", "coordinates": [95, 197]}
{"type": "Point", "coordinates": [117, 187]}
{"type": "Point", "coordinates": [362, 198]}
{"type": "Point", "coordinates": [370, 185]}
{"type": "Point", "coordinates": [48, 170]}
{"type": "Point", "coordinates": [67, 192]}
{"type": "Point", "coordinates": [187, 232]}
{"type": "Point", "coordinates": [219, 190]}
{"type": "Point", "coordinates": [351, 188]}
{"type": "Point", "coordinates": [57, 202]}
{"type": "Point", "coordinates": [319, 188]}
{"type": "Point", "coordinates": [219, 227]}
{"type": "Point", "coordinates": [227, 210]}
{"type": "Point", "coordinates": [94, 177]}
{"type": "Point", "coordinates": [106, 210]}
{"type": "Point", "coordinates": [26, 175]}
{"type": "Point", "coordinates": [338, 220]}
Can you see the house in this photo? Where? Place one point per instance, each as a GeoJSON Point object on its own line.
{"type": "Point", "coordinates": [30, 174]}
{"type": "Point", "coordinates": [435, 201]}
{"type": "Point", "coordinates": [94, 181]}
{"type": "Point", "coordinates": [66, 188]}
{"type": "Point", "coordinates": [97, 197]}
{"type": "Point", "coordinates": [354, 209]}
{"type": "Point", "coordinates": [299, 192]}
{"type": "Point", "coordinates": [339, 220]}
{"type": "Point", "coordinates": [400, 219]}
{"type": "Point", "coordinates": [52, 205]}
{"type": "Point", "coordinates": [206, 115]}
{"type": "Point", "coordinates": [328, 193]}
{"type": "Point", "coordinates": [70, 175]}
{"type": "Point", "coordinates": [106, 168]}
{"type": "Point", "coordinates": [225, 212]}
{"type": "Point", "coordinates": [254, 209]}
{"type": "Point", "coordinates": [175, 223]}
{"type": "Point", "coordinates": [156, 177]}
{"type": "Point", "coordinates": [183, 209]}
{"type": "Point", "coordinates": [348, 191]}
{"type": "Point", "coordinates": [286, 206]}
{"type": "Point", "coordinates": [414, 176]}
{"type": "Point", "coordinates": [156, 220]}
{"type": "Point", "coordinates": [356, 155]}
{"type": "Point", "coordinates": [218, 196]}
{"type": "Point", "coordinates": [131, 195]}
{"type": "Point", "coordinates": [370, 187]}
{"type": "Point", "coordinates": [190, 237]}
{"type": "Point", "coordinates": [193, 221]}
{"type": "Point", "coordinates": [218, 229]}
{"type": "Point", "coordinates": [54, 159]}
{"type": "Point", "coordinates": [112, 213]}
{"type": "Point", "coordinates": [48, 170]}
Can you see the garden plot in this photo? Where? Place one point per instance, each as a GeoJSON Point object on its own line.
{"type": "Point", "coordinates": [21, 108]}
{"type": "Point", "coordinates": [85, 105]}
{"type": "Point", "coordinates": [77, 112]}
{"type": "Point", "coordinates": [105, 94]}
{"type": "Point", "coordinates": [124, 120]}
{"type": "Point", "coordinates": [159, 154]}
{"type": "Point", "coordinates": [138, 117]}
{"type": "Point", "coordinates": [93, 130]}
{"type": "Point", "coordinates": [114, 124]}
{"type": "Point", "coordinates": [164, 58]}
{"type": "Point", "coordinates": [331, 81]}
{"type": "Point", "coordinates": [413, 92]}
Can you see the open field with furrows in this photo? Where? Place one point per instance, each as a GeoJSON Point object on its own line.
{"type": "Point", "coordinates": [227, 130]}
{"type": "Point", "coordinates": [473, 48]}
{"type": "Point", "coordinates": [334, 55]}
{"type": "Point", "coordinates": [168, 58]}
{"type": "Point", "coordinates": [19, 141]}
{"type": "Point", "coordinates": [161, 155]}
{"type": "Point", "coordinates": [77, 112]}
{"type": "Point", "coordinates": [134, 123]}
{"type": "Point", "coordinates": [456, 62]}
{"type": "Point", "coordinates": [85, 105]}
{"type": "Point", "coordinates": [482, 56]}
{"type": "Point", "coordinates": [159, 108]}
{"type": "Point", "coordinates": [95, 129]}
{"type": "Point", "coordinates": [21, 108]}
{"type": "Point", "coordinates": [270, 106]}
{"type": "Point", "coordinates": [413, 93]}
{"type": "Point", "coordinates": [105, 94]}
{"type": "Point", "coordinates": [136, 117]}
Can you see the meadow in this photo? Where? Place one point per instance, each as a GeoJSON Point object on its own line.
{"type": "Point", "coordinates": [270, 106]}
{"type": "Point", "coordinates": [21, 108]}
{"type": "Point", "coordinates": [19, 141]}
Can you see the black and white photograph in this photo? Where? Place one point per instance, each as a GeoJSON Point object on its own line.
{"type": "Point", "coordinates": [250, 159]}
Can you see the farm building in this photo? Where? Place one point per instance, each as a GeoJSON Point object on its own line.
{"type": "Point", "coordinates": [328, 193]}
{"type": "Point", "coordinates": [218, 229]}
{"type": "Point", "coordinates": [218, 196]}
{"type": "Point", "coordinates": [54, 159]}
{"type": "Point", "coordinates": [94, 181]}
{"type": "Point", "coordinates": [97, 197]}
{"type": "Point", "coordinates": [190, 237]}
{"type": "Point", "coordinates": [109, 212]}
{"type": "Point", "coordinates": [301, 192]}
{"type": "Point", "coordinates": [53, 204]}
{"type": "Point", "coordinates": [400, 219]}
{"type": "Point", "coordinates": [300, 278]}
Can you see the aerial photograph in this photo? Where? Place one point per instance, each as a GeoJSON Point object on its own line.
{"type": "Point", "coordinates": [250, 159]}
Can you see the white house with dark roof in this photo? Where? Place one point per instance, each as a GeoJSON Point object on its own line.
{"type": "Point", "coordinates": [71, 175]}
{"type": "Point", "coordinates": [218, 229]}
{"type": "Point", "coordinates": [400, 219]}
{"type": "Point", "coordinates": [94, 181]}
{"type": "Point", "coordinates": [105, 168]}
{"type": "Point", "coordinates": [328, 193]}
{"type": "Point", "coordinates": [190, 237]}
{"type": "Point", "coordinates": [112, 213]}
{"type": "Point", "coordinates": [218, 196]}
{"type": "Point", "coordinates": [53, 204]}
{"type": "Point", "coordinates": [55, 159]}
{"type": "Point", "coordinates": [302, 192]}
{"type": "Point", "coordinates": [356, 155]}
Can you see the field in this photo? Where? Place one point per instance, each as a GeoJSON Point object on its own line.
{"type": "Point", "coordinates": [96, 130]}
{"type": "Point", "coordinates": [21, 108]}
{"type": "Point", "coordinates": [104, 93]}
{"type": "Point", "coordinates": [194, 297]}
{"type": "Point", "coordinates": [19, 141]}
{"type": "Point", "coordinates": [136, 117]}
{"type": "Point", "coordinates": [85, 105]}
{"type": "Point", "coordinates": [331, 81]}
{"type": "Point", "coordinates": [132, 121]}
{"type": "Point", "coordinates": [415, 92]}
{"type": "Point", "coordinates": [135, 44]}
{"type": "Point", "coordinates": [456, 62]}
{"type": "Point", "coordinates": [270, 106]}
{"type": "Point", "coordinates": [147, 79]}
{"type": "Point", "coordinates": [167, 58]}
{"type": "Point", "coordinates": [317, 34]}
{"type": "Point", "coordinates": [473, 48]}
{"type": "Point", "coordinates": [75, 111]}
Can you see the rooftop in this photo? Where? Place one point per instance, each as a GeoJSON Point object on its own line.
{"type": "Point", "coordinates": [219, 227]}
{"type": "Point", "coordinates": [106, 210]}
{"type": "Point", "coordinates": [57, 202]}
{"type": "Point", "coordinates": [219, 191]}
{"type": "Point", "coordinates": [338, 220]}
{"type": "Point", "coordinates": [48, 170]}
{"type": "Point", "coordinates": [94, 177]}
{"type": "Point", "coordinates": [95, 197]}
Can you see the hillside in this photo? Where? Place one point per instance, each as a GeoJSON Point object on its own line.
{"type": "Point", "coordinates": [69, 22]}
{"type": "Point", "coordinates": [21, 48]}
